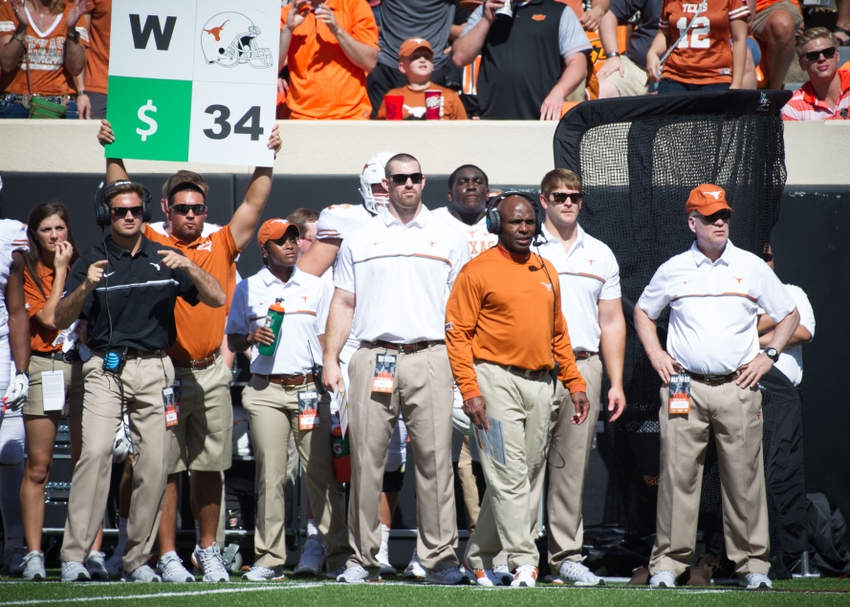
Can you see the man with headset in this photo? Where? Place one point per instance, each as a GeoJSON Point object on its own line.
{"type": "Point", "coordinates": [504, 334]}
{"type": "Point", "coordinates": [126, 289]}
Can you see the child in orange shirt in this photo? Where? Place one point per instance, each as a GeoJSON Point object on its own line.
{"type": "Point", "coordinates": [416, 61]}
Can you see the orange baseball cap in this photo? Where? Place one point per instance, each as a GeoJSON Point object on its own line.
{"type": "Point", "coordinates": [274, 229]}
{"type": "Point", "coordinates": [706, 199]}
{"type": "Point", "coordinates": [409, 46]}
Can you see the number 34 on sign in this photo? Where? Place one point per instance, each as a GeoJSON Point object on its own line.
{"type": "Point", "coordinates": [194, 80]}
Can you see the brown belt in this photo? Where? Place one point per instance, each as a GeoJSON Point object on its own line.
{"type": "Point", "coordinates": [527, 373]}
{"type": "Point", "coordinates": [714, 380]}
{"type": "Point", "coordinates": [288, 380]}
{"type": "Point", "coordinates": [583, 354]}
{"type": "Point", "coordinates": [406, 348]}
{"type": "Point", "coordinates": [198, 364]}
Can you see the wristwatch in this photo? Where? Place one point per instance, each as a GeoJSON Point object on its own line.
{"type": "Point", "coordinates": [81, 92]}
{"type": "Point", "coordinates": [772, 354]}
{"type": "Point", "coordinates": [75, 36]}
{"type": "Point", "coordinates": [22, 37]}
{"type": "Point", "coordinates": [609, 55]}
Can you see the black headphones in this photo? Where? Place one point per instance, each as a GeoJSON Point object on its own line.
{"type": "Point", "coordinates": [494, 220]}
{"type": "Point", "coordinates": [101, 207]}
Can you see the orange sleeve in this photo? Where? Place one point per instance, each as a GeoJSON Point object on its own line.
{"type": "Point", "coordinates": [462, 312]}
{"type": "Point", "coordinates": [32, 296]}
{"type": "Point", "coordinates": [458, 111]}
{"type": "Point", "coordinates": [363, 26]}
{"type": "Point", "coordinates": [568, 372]}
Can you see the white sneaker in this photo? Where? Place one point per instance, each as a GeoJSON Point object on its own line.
{"type": "Point", "coordinates": [74, 571]}
{"type": "Point", "coordinates": [115, 565]}
{"type": "Point", "coordinates": [580, 575]}
{"type": "Point", "coordinates": [357, 575]}
{"type": "Point", "coordinates": [525, 576]}
{"type": "Point", "coordinates": [210, 564]}
{"type": "Point", "coordinates": [13, 562]}
{"type": "Point", "coordinates": [96, 566]}
{"type": "Point", "coordinates": [414, 569]}
{"type": "Point", "coordinates": [384, 559]}
{"type": "Point", "coordinates": [141, 574]}
{"type": "Point", "coordinates": [34, 567]}
{"type": "Point", "coordinates": [312, 558]}
{"type": "Point", "coordinates": [451, 576]}
{"type": "Point", "coordinates": [662, 579]}
{"type": "Point", "coordinates": [332, 575]}
{"type": "Point", "coordinates": [503, 573]}
{"type": "Point", "coordinates": [172, 569]}
{"type": "Point", "coordinates": [485, 577]}
{"type": "Point", "coordinates": [258, 573]}
{"type": "Point", "coordinates": [757, 581]}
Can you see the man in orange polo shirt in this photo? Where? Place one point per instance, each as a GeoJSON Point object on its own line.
{"type": "Point", "coordinates": [329, 48]}
{"type": "Point", "coordinates": [504, 334]}
{"type": "Point", "coordinates": [202, 438]}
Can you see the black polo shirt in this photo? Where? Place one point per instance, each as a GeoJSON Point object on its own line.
{"type": "Point", "coordinates": [133, 305]}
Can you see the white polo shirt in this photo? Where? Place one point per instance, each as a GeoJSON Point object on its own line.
{"type": "Point", "coordinates": [791, 360]}
{"type": "Point", "coordinates": [588, 272]}
{"type": "Point", "coordinates": [306, 299]}
{"type": "Point", "coordinates": [401, 276]}
{"type": "Point", "coordinates": [479, 238]}
{"type": "Point", "coordinates": [713, 307]}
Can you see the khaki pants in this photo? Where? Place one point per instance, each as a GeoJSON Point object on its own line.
{"type": "Point", "coordinates": [524, 408]}
{"type": "Point", "coordinates": [468, 485]}
{"type": "Point", "coordinates": [273, 412]}
{"type": "Point", "coordinates": [735, 416]}
{"type": "Point", "coordinates": [143, 380]}
{"type": "Point", "coordinates": [423, 392]}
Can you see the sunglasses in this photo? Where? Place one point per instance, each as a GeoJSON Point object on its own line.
{"type": "Point", "coordinates": [401, 179]}
{"type": "Point", "coordinates": [828, 53]}
{"type": "Point", "coordinates": [183, 209]}
{"type": "Point", "coordinates": [561, 197]}
{"type": "Point", "coordinates": [723, 215]}
{"type": "Point", "coordinates": [120, 212]}
{"type": "Point", "coordinates": [765, 256]}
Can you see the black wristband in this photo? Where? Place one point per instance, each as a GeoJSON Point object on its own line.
{"type": "Point", "coordinates": [22, 372]}
{"type": "Point", "coordinates": [75, 36]}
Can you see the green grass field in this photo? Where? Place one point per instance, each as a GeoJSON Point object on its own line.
{"type": "Point", "coordinates": [816, 593]}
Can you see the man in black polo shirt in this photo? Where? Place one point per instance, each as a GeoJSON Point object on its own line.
{"type": "Point", "coordinates": [530, 61]}
{"type": "Point", "coordinates": [126, 289]}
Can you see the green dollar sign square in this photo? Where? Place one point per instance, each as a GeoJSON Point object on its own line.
{"type": "Point", "coordinates": [150, 118]}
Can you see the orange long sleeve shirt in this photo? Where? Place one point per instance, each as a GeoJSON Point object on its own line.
{"type": "Point", "coordinates": [504, 309]}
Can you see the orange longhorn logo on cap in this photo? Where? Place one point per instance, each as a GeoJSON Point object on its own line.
{"type": "Point", "coordinates": [715, 194]}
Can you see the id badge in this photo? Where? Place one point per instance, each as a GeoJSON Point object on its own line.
{"type": "Point", "coordinates": [53, 390]}
{"type": "Point", "coordinates": [178, 393]}
{"type": "Point", "coordinates": [384, 373]}
{"type": "Point", "coordinates": [679, 402]}
{"type": "Point", "coordinates": [308, 410]}
{"type": "Point", "coordinates": [171, 417]}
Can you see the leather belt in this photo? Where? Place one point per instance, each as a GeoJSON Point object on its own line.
{"type": "Point", "coordinates": [527, 373]}
{"type": "Point", "coordinates": [583, 354]}
{"type": "Point", "coordinates": [24, 100]}
{"type": "Point", "coordinates": [288, 380]}
{"type": "Point", "coordinates": [714, 380]}
{"type": "Point", "coordinates": [197, 364]}
{"type": "Point", "coordinates": [406, 348]}
{"type": "Point", "coordinates": [134, 353]}
{"type": "Point", "coordinates": [71, 356]}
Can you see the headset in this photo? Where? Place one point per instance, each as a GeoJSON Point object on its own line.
{"type": "Point", "coordinates": [101, 207]}
{"type": "Point", "coordinates": [494, 220]}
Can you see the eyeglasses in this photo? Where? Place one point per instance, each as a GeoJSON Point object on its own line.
{"type": "Point", "coordinates": [120, 212]}
{"type": "Point", "coordinates": [183, 209]}
{"type": "Point", "coordinates": [561, 197]}
{"type": "Point", "coordinates": [828, 53]}
{"type": "Point", "coordinates": [723, 215]}
{"type": "Point", "coordinates": [401, 179]}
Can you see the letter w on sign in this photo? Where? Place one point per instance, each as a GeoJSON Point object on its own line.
{"type": "Point", "coordinates": [161, 37]}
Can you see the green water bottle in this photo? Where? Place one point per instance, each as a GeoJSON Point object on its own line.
{"type": "Point", "coordinates": [274, 319]}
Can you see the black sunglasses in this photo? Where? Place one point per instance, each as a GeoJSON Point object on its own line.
{"type": "Point", "coordinates": [828, 53]}
{"type": "Point", "coordinates": [401, 179]}
{"type": "Point", "coordinates": [561, 197]}
{"type": "Point", "coordinates": [183, 209]}
{"type": "Point", "coordinates": [725, 215]}
{"type": "Point", "coordinates": [119, 212]}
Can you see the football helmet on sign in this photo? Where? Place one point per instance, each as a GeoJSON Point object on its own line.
{"type": "Point", "coordinates": [229, 39]}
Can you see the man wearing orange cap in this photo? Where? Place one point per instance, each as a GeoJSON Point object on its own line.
{"type": "Point", "coordinates": [710, 372]}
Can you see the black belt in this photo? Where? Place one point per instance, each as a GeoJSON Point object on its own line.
{"type": "Point", "coordinates": [406, 348]}
{"type": "Point", "coordinates": [583, 354]}
{"type": "Point", "coordinates": [134, 353]}
{"type": "Point", "coordinates": [527, 373]}
{"type": "Point", "coordinates": [199, 363]}
{"type": "Point", "coordinates": [71, 356]}
{"type": "Point", "coordinates": [714, 380]}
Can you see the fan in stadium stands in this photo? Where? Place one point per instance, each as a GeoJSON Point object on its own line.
{"type": "Point", "coordinates": [775, 26]}
{"type": "Point", "coordinates": [826, 96]}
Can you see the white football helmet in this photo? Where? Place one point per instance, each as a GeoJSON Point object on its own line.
{"type": "Point", "coordinates": [121, 446]}
{"type": "Point", "coordinates": [372, 173]}
{"type": "Point", "coordinates": [229, 39]}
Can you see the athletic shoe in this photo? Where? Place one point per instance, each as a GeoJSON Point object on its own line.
{"type": "Point", "coordinates": [115, 564]}
{"type": "Point", "coordinates": [486, 577]}
{"type": "Point", "coordinates": [13, 562]}
{"type": "Point", "coordinates": [96, 566]}
{"type": "Point", "coordinates": [580, 575]}
{"type": "Point", "coordinates": [141, 574]}
{"type": "Point", "coordinates": [451, 576]}
{"type": "Point", "coordinates": [414, 569]}
{"type": "Point", "coordinates": [332, 575]}
{"type": "Point", "coordinates": [312, 558]}
{"type": "Point", "coordinates": [259, 573]}
{"type": "Point", "coordinates": [210, 564]}
{"type": "Point", "coordinates": [503, 573]}
{"type": "Point", "coordinates": [357, 575]}
{"type": "Point", "coordinates": [662, 579]}
{"type": "Point", "coordinates": [172, 570]}
{"type": "Point", "coordinates": [34, 567]}
{"type": "Point", "coordinates": [758, 581]}
{"type": "Point", "coordinates": [74, 571]}
{"type": "Point", "coordinates": [525, 576]}
{"type": "Point", "coordinates": [383, 557]}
